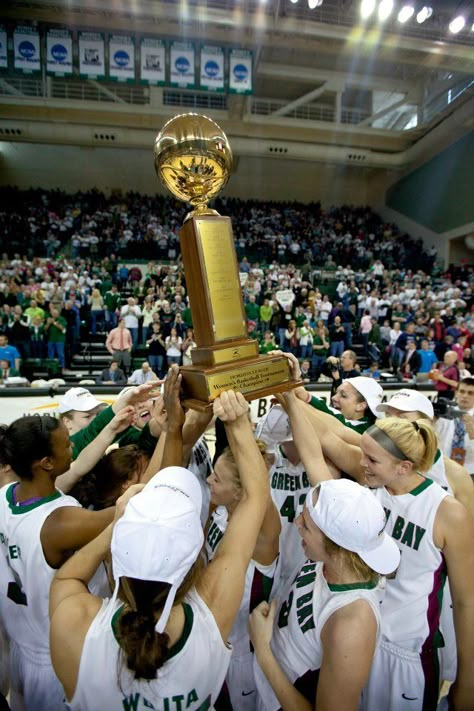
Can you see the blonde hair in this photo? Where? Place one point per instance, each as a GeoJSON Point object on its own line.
{"type": "Point", "coordinates": [228, 456]}
{"type": "Point", "coordinates": [417, 440]}
{"type": "Point", "coordinates": [352, 560]}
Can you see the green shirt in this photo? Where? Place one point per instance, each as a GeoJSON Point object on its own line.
{"type": "Point", "coordinates": [265, 313]}
{"type": "Point", "coordinates": [318, 341]}
{"type": "Point", "coordinates": [112, 300]}
{"type": "Point", "coordinates": [142, 438]}
{"type": "Point", "coordinates": [56, 334]}
{"type": "Point", "coordinates": [359, 426]}
{"type": "Point", "coordinates": [252, 311]}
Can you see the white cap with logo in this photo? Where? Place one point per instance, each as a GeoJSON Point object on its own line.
{"type": "Point", "coordinates": [350, 515]}
{"type": "Point", "coordinates": [160, 536]}
{"type": "Point", "coordinates": [79, 399]}
{"type": "Point", "coordinates": [370, 390]}
{"type": "Point", "coordinates": [408, 400]}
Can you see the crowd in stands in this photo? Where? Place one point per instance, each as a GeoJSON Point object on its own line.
{"type": "Point", "coordinates": [313, 283]}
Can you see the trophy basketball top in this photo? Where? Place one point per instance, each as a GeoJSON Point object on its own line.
{"type": "Point", "coordinates": [193, 160]}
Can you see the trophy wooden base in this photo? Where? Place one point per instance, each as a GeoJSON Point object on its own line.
{"type": "Point", "coordinates": [254, 378]}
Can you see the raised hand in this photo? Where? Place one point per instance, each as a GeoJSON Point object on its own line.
{"type": "Point", "coordinates": [172, 403]}
{"type": "Point", "coordinates": [229, 406]}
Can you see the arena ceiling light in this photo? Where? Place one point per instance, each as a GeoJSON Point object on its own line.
{"type": "Point", "coordinates": [366, 8]}
{"type": "Point", "coordinates": [406, 12]}
{"type": "Point", "coordinates": [385, 10]}
{"type": "Point", "coordinates": [312, 4]}
{"type": "Point", "coordinates": [457, 24]}
{"type": "Point", "coordinates": [424, 14]}
{"type": "Point", "coordinates": [294, 1]}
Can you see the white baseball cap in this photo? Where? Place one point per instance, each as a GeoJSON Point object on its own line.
{"type": "Point", "coordinates": [408, 400]}
{"type": "Point", "coordinates": [160, 536]}
{"type": "Point", "coordinates": [350, 515]}
{"type": "Point", "coordinates": [79, 399]}
{"type": "Point", "coordinates": [370, 390]}
{"type": "Point", "coordinates": [274, 428]}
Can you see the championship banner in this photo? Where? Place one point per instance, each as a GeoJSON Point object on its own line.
{"type": "Point", "coordinates": [152, 61]}
{"type": "Point", "coordinates": [121, 58]}
{"type": "Point", "coordinates": [26, 47]}
{"type": "Point", "coordinates": [91, 55]}
{"type": "Point", "coordinates": [211, 75]}
{"type": "Point", "coordinates": [182, 70]}
{"type": "Point", "coordinates": [3, 48]}
{"type": "Point", "coordinates": [59, 52]}
{"type": "Point", "coordinates": [240, 72]}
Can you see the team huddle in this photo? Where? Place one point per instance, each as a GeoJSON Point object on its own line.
{"type": "Point", "coordinates": [323, 561]}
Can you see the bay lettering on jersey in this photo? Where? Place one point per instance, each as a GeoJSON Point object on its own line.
{"type": "Point", "coordinates": [408, 533]}
{"type": "Point", "coordinates": [304, 602]}
{"type": "Point", "coordinates": [214, 536]}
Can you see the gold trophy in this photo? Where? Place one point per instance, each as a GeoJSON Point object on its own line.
{"type": "Point", "coordinates": [193, 160]}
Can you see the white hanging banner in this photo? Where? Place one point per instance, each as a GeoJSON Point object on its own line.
{"type": "Point", "coordinates": [59, 52]}
{"type": "Point", "coordinates": [152, 61]}
{"type": "Point", "coordinates": [121, 58]}
{"type": "Point", "coordinates": [91, 55]}
{"type": "Point", "coordinates": [26, 46]}
{"type": "Point", "coordinates": [212, 69]}
{"type": "Point", "coordinates": [240, 71]}
{"type": "Point", "coordinates": [3, 48]}
{"type": "Point", "coordinates": [182, 69]}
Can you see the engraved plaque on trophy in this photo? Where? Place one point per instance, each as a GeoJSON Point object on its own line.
{"type": "Point", "coordinates": [193, 160]}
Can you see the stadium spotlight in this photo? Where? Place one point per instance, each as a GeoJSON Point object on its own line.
{"type": "Point", "coordinates": [457, 24]}
{"type": "Point", "coordinates": [405, 13]}
{"type": "Point", "coordinates": [294, 1]}
{"type": "Point", "coordinates": [385, 9]}
{"type": "Point", "coordinates": [312, 4]}
{"type": "Point", "coordinates": [366, 8]}
{"type": "Point", "coordinates": [424, 14]}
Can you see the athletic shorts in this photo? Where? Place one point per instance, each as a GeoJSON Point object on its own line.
{"type": "Point", "coordinates": [33, 684]}
{"type": "Point", "coordinates": [401, 680]}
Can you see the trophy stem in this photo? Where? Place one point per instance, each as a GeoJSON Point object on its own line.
{"type": "Point", "coordinates": [199, 210]}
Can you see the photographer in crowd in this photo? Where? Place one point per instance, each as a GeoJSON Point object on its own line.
{"type": "Point", "coordinates": [341, 368]}
{"type": "Point", "coordinates": [455, 425]}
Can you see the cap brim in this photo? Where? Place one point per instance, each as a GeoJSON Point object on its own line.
{"type": "Point", "coordinates": [384, 558]}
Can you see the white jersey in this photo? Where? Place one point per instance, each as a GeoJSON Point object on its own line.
{"type": "Point", "coordinates": [25, 607]}
{"type": "Point", "coordinates": [288, 487]}
{"type": "Point", "coordinates": [190, 679]}
{"type": "Point", "coordinates": [411, 608]}
{"type": "Point", "coordinates": [296, 643]}
{"type": "Point", "coordinates": [438, 472]}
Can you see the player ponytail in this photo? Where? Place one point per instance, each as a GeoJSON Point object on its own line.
{"type": "Point", "coordinates": [144, 649]}
{"type": "Point", "coordinates": [26, 440]}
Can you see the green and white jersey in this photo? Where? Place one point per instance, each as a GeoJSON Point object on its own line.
{"type": "Point", "coordinates": [24, 600]}
{"type": "Point", "coordinates": [412, 604]}
{"type": "Point", "coordinates": [288, 488]}
{"type": "Point", "coordinates": [190, 679]}
{"type": "Point", "coordinates": [359, 426]}
{"type": "Point", "coordinates": [304, 608]}
{"type": "Point", "coordinates": [438, 472]}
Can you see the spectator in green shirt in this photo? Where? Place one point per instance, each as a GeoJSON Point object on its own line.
{"type": "Point", "coordinates": [55, 329]}
{"type": "Point", "coordinates": [252, 309]}
{"type": "Point", "coordinates": [268, 344]}
{"type": "Point", "coordinates": [320, 349]}
{"type": "Point", "coordinates": [112, 303]}
{"type": "Point", "coordinates": [265, 315]}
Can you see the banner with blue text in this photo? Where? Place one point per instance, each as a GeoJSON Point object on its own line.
{"type": "Point", "coordinates": [121, 58]}
{"type": "Point", "coordinates": [240, 72]}
{"type": "Point", "coordinates": [211, 77]}
{"type": "Point", "coordinates": [59, 52]}
{"type": "Point", "coordinates": [26, 49]}
{"type": "Point", "coordinates": [182, 65]}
